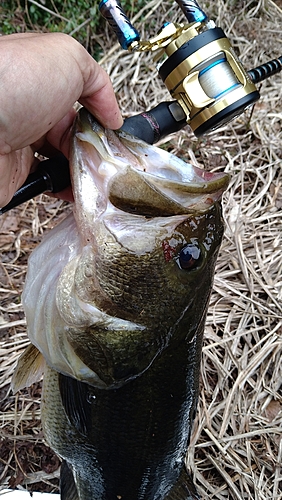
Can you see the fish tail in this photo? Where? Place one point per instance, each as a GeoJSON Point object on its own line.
{"type": "Point", "coordinates": [184, 489]}
{"type": "Point", "coordinates": [68, 488]}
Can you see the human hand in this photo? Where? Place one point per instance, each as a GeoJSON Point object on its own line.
{"type": "Point", "coordinates": [41, 77]}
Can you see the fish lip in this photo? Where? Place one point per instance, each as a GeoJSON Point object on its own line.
{"type": "Point", "coordinates": [84, 121]}
{"type": "Point", "coordinates": [84, 124]}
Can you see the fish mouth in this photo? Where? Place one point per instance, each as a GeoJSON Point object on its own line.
{"type": "Point", "coordinates": [139, 178]}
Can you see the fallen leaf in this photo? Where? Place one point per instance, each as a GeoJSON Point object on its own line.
{"type": "Point", "coordinates": [272, 410]}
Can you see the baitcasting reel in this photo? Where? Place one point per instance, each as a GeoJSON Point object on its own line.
{"type": "Point", "coordinates": [197, 64]}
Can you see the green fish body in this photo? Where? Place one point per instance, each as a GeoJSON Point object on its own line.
{"type": "Point", "coordinates": [116, 299]}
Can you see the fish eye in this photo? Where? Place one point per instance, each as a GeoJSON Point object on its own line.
{"type": "Point", "coordinates": [189, 256]}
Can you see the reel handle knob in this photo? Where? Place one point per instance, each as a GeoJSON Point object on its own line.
{"type": "Point", "coordinates": [192, 11]}
{"type": "Point", "coordinates": [126, 34]}
{"type": "Point", "coordinates": [266, 70]}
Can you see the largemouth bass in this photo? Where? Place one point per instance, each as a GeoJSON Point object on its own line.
{"type": "Point", "coordinates": [116, 299]}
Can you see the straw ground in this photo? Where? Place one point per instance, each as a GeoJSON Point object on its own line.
{"type": "Point", "coordinates": [236, 446]}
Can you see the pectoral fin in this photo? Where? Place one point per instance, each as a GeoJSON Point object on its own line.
{"type": "Point", "coordinates": [74, 396]}
{"type": "Point", "coordinates": [29, 369]}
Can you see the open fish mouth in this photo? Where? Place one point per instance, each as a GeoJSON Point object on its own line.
{"type": "Point", "coordinates": [117, 168]}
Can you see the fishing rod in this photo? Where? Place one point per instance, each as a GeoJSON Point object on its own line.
{"type": "Point", "coordinates": [201, 71]}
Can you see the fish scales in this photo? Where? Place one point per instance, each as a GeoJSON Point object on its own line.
{"type": "Point", "coordinates": [117, 309]}
{"type": "Point", "coordinates": [136, 436]}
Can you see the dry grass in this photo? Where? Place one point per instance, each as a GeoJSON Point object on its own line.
{"type": "Point", "coordinates": [236, 447]}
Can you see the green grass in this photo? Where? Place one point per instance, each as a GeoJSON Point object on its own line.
{"type": "Point", "coordinates": [79, 18]}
